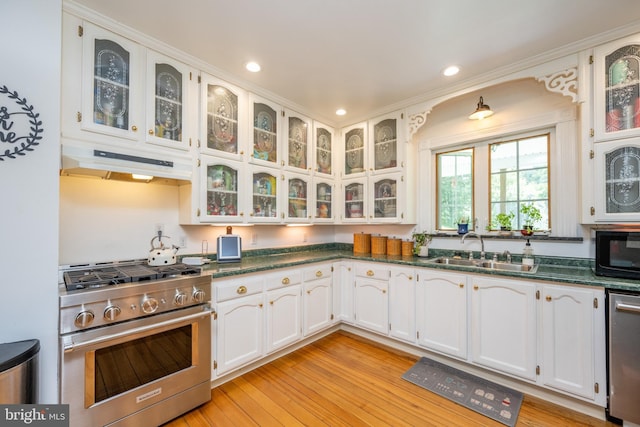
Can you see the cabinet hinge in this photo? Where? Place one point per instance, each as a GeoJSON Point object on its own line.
{"type": "Point", "coordinates": [198, 164]}
{"type": "Point", "coordinates": [215, 364]}
{"type": "Point", "coordinates": [590, 59]}
{"type": "Point", "coordinates": [417, 335]}
{"type": "Point", "coordinates": [332, 316]}
{"type": "Point", "coordinates": [282, 112]}
{"type": "Point", "coordinates": [591, 154]}
{"type": "Point", "coordinates": [390, 326]}
{"type": "Point", "coordinates": [402, 115]}
{"type": "Point", "coordinates": [80, 31]}
{"type": "Point", "coordinates": [592, 211]}
{"type": "Point", "coordinates": [190, 76]}
{"type": "Point", "coordinates": [198, 212]}
{"type": "Point", "coordinates": [214, 314]}
{"type": "Point", "coordinates": [596, 388]}
{"type": "Point", "coordinates": [198, 143]}
{"type": "Point", "coordinates": [595, 303]}
{"type": "Point", "coordinates": [199, 79]}
{"type": "Point", "coordinates": [538, 295]}
{"type": "Point", "coordinates": [332, 268]}
{"type": "Point", "coordinates": [538, 370]}
{"type": "Point", "coordinates": [79, 116]}
{"type": "Point", "coordinates": [592, 133]}
{"type": "Point", "coordinates": [190, 142]}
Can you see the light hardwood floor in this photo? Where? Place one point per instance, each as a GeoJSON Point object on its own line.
{"type": "Point", "coordinates": [346, 380]}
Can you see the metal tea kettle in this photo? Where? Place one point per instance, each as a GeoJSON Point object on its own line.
{"type": "Point", "coordinates": [161, 255]}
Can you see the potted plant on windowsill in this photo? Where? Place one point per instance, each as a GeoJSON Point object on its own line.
{"type": "Point", "coordinates": [530, 217]}
{"type": "Point", "coordinates": [504, 222]}
{"type": "Point", "coordinates": [422, 241]}
{"type": "Point", "coordinates": [463, 225]}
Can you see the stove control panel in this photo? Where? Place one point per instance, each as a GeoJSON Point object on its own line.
{"type": "Point", "coordinates": [123, 302]}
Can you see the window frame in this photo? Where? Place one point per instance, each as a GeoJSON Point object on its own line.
{"type": "Point", "coordinates": [437, 187]}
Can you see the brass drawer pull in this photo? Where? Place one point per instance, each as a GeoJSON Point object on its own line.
{"type": "Point", "coordinates": [475, 287]}
{"type": "Point", "coordinates": [318, 273]}
{"type": "Point", "coordinates": [461, 285]}
{"type": "Point", "coordinates": [241, 290]}
{"type": "Point", "coordinates": [548, 298]}
{"type": "Point", "coordinates": [370, 273]}
{"type": "Point", "coordinates": [134, 128]}
{"type": "Point", "coordinates": [286, 281]}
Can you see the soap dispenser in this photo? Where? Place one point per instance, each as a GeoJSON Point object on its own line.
{"type": "Point", "coordinates": [527, 254]}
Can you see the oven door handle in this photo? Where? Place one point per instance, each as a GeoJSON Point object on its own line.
{"type": "Point", "coordinates": [70, 346]}
{"type": "Point", "coordinates": [629, 308]}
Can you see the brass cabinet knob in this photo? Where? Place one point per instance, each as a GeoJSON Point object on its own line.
{"type": "Point", "coordinates": [475, 287]}
{"type": "Point", "coordinates": [318, 273]}
{"type": "Point", "coordinates": [384, 291]}
{"type": "Point", "coordinates": [370, 273]}
{"type": "Point", "coordinates": [241, 290]}
{"type": "Point", "coordinates": [150, 131]}
{"type": "Point", "coordinates": [286, 281]}
{"type": "Point", "coordinates": [410, 277]}
{"type": "Point", "coordinates": [548, 298]}
{"type": "Point", "coordinates": [134, 128]}
{"type": "Point", "coordinates": [461, 285]}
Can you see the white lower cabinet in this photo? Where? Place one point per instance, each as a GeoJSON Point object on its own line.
{"type": "Point", "coordinates": [441, 299]}
{"type": "Point", "coordinates": [343, 291]}
{"type": "Point", "coordinates": [239, 332]}
{"type": "Point", "coordinates": [572, 340]}
{"type": "Point", "coordinates": [402, 304]}
{"type": "Point", "coordinates": [317, 298]}
{"type": "Point", "coordinates": [371, 297]}
{"type": "Point", "coordinates": [503, 325]}
{"type": "Point", "coordinates": [284, 318]}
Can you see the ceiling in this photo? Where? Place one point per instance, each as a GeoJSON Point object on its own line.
{"type": "Point", "coordinates": [365, 55]}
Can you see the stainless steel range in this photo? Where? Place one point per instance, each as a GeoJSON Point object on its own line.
{"type": "Point", "coordinates": [135, 342]}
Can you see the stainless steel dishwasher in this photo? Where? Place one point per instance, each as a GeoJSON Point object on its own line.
{"type": "Point", "coordinates": [624, 356]}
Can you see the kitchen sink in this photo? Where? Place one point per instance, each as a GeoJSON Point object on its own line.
{"type": "Point", "coordinates": [484, 264]}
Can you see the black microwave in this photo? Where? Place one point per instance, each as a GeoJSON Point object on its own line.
{"type": "Point", "coordinates": [618, 253]}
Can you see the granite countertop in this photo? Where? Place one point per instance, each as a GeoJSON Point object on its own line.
{"type": "Point", "coordinates": [556, 269]}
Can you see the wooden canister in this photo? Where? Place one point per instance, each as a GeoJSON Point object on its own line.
{"type": "Point", "coordinates": [394, 247]}
{"type": "Point", "coordinates": [361, 243]}
{"type": "Point", "coordinates": [407, 248]}
{"type": "Point", "coordinates": [378, 245]}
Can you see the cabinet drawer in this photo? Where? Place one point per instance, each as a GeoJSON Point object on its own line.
{"type": "Point", "coordinates": [238, 287]}
{"type": "Point", "coordinates": [283, 278]}
{"type": "Point", "coordinates": [317, 272]}
{"type": "Point", "coordinates": [373, 272]}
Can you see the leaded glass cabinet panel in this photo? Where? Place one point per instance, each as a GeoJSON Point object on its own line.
{"type": "Point", "coordinates": [298, 142]}
{"type": "Point", "coordinates": [618, 178]}
{"type": "Point", "coordinates": [265, 119]}
{"type": "Point", "coordinates": [324, 137]}
{"type": "Point", "coordinates": [354, 139]}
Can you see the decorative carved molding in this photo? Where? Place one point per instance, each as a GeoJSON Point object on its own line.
{"type": "Point", "coordinates": [416, 121]}
{"type": "Point", "coordinates": [563, 82]}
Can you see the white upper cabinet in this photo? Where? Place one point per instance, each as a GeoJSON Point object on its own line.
{"type": "Point", "coordinates": [266, 188]}
{"type": "Point", "coordinates": [324, 146]}
{"type": "Point", "coordinates": [617, 174]}
{"type": "Point", "coordinates": [297, 147]}
{"type": "Point", "coordinates": [297, 203]}
{"type": "Point", "coordinates": [266, 126]}
{"type": "Point", "coordinates": [224, 114]}
{"type": "Point", "coordinates": [617, 89]}
{"type": "Point", "coordinates": [354, 139]}
{"type": "Point", "coordinates": [387, 143]}
{"type": "Point", "coordinates": [324, 197]}
{"type": "Point", "coordinates": [169, 96]}
{"type": "Point", "coordinates": [223, 184]}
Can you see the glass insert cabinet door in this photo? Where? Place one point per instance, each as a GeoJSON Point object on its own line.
{"type": "Point", "coordinates": [297, 143]}
{"type": "Point", "coordinates": [385, 144]}
{"type": "Point", "coordinates": [324, 141]}
{"type": "Point", "coordinates": [619, 172]}
{"type": "Point", "coordinates": [265, 133]}
{"type": "Point", "coordinates": [222, 119]}
{"type": "Point", "coordinates": [324, 201]}
{"type": "Point", "coordinates": [385, 198]}
{"type": "Point", "coordinates": [222, 191]}
{"type": "Point", "coordinates": [112, 65]}
{"type": "Point", "coordinates": [168, 102]}
{"type": "Point", "coordinates": [354, 141]}
{"type": "Point", "coordinates": [297, 198]}
{"type": "Point", "coordinates": [354, 194]}
{"type": "Point", "coordinates": [617, 100]}
{"type": "Point", "coordinates": [265, 200]}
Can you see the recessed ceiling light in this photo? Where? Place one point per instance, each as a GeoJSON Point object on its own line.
{"type": "Point", "coordinates": [451, 71]}
{"type": "Point", "coordinates": [254, 67]}
{"type": "Point", "coordinates": [341, 111]}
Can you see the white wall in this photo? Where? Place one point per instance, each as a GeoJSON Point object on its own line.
{"type": "Point", "coordinates": [31, 33]}
{"type": "Point", "coordinates": [104, 220]}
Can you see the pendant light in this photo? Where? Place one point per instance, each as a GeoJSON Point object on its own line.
{"type": "Point", "coordinates": [482, 111]}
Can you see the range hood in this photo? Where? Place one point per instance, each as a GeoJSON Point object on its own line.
{"type": "Point", "coordinates": [119, 163]}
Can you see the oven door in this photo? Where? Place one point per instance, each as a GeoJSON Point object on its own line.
{"type": "Point", "coordinates": [123, 371]}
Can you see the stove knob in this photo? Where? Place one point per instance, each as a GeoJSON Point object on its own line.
{"type": "Point", "coordinates": [84, 319]}
{"type": "Point", "coordinates": [149, 305]}
{"type": "Point", "coordinates": [180, 298]}
{"type": "Point", "coordinates": [198, 295]}
{"type": "Point", "coordinates": [111, 313]}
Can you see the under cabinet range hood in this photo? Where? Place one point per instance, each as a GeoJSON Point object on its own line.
{"type": "Point", "coordinates": [120, 163]}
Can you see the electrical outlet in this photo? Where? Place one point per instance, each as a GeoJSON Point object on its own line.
{"type": "Point", "coordinates": [183, 241]}
{"type": "Point", "coordinates": [254, 238]}
{"type": "Point", "coordinates": [304, 237]}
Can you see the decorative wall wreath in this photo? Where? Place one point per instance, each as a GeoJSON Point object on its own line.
{"type": "Point", "coordinates": [25, 136]}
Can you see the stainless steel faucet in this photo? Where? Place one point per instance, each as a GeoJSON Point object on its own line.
{"type": "Point", "coordinates": [507, 256]}
{"type": "Point", "coordinates": [479, 236]}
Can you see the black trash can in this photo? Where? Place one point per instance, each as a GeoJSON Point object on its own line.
{"type": "Point", "coordinates": [19, 372]}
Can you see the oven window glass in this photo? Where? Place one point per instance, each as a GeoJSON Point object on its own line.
{"type": "Point", "coordinates": [125, 366]}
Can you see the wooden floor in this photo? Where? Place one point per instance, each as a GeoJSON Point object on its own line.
{"type": "Point", "coordinates": [345, 380]}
